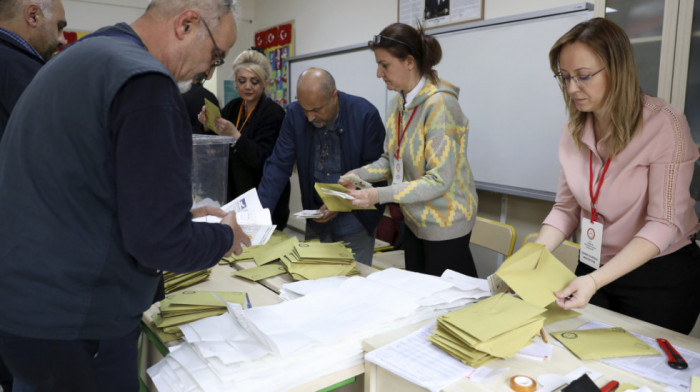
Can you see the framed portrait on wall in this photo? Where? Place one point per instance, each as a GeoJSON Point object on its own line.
{"type": "Point", "coordinates": [438, 13]}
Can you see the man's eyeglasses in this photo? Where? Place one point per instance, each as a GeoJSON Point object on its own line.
{"type": "Point", "coordinates": [580, 80]}
{"type": "Point", "coordinates": [379, 38]}
{"type": "Point", "coordinates": [217, 53]}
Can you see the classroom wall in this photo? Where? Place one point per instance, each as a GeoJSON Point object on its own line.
{"type": "Point", "coordinates": [91, 15]}
{"type": "Point", "coordinates": [344, 23]}
{"type": "Point", "coordinates": [332, 24]}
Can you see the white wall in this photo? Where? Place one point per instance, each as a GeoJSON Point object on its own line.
{"type": "Point", "coordinates": [335, 23]}
{"type": "Point", "coordinates": [322, 25]}
{"type": "Point", "coordinates": [91, 15]}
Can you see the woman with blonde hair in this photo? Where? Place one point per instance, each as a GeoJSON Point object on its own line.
{"type": "Point", "coordinates": [626, 164]}
{"type": "Point", "coordinates": [254, 120]}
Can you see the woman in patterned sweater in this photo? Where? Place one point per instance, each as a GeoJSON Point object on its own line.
{"type": "Point", "coordinates": [425, 154]}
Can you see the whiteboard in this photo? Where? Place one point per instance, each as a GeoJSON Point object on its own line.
{"type": "Point", "coordinates": [507, 91]}
{"type": "Point", "coordinates": [352, 68]}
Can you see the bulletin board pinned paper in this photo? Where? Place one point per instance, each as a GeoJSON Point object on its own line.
{"type": "Point", "coordinates": [277, 44]}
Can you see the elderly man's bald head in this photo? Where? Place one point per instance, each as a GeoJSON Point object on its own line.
{"type": "Point", "coordinates": [317, 79]}
{"type": "Point", "coordinates": [317, 96]}
{"type": "Point", "coordinates": [39, 22]}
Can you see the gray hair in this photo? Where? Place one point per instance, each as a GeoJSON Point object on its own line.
{"type": "Point", "coordinates": [9, 9]}
{"type": "Point", "coordinates": [212, 10]}
{"type": "Point", "coordinates": [256, 62]}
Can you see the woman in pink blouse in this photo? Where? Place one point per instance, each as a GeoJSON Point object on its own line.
{"type": "Point", "coordinates": [627, 160]}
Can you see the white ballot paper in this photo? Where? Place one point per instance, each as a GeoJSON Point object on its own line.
{"type": "Point", "coordinates": [414, 358]}
{"type": "Point", "coordinates": [255, 220]}
{"type": "Point", "coordinates": [336, 193]}
{"type": "Point", "coordinates": [308, 214]}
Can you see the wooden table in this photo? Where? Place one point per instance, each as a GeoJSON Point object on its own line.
{"type": "Point", "coordinates": [562, 362]}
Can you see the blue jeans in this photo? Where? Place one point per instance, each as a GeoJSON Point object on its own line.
{"type": "Point", "coordinates": [361, 243]}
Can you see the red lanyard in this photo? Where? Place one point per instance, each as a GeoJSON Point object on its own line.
{"type": "Point", "coordinates": [401, 134]}
{"type": "Point", "coordinates": [594, 198]}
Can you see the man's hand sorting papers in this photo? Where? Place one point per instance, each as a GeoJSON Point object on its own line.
{"type": "Point", "coordinates": [240, 238]}
{"type": "Point", "coordinates": [255, 221]}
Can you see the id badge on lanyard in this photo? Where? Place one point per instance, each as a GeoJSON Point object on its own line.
{"type": "Point", "coordinates": [591, 229]}
{"type": "Point", "coordinates": [591, 243]}
{"type": "Point", "coordinates": [397, 169]}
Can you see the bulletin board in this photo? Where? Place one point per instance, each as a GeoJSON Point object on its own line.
{"type": "Point", "coordinates": [438, 13]}
{"type": "Point", "coordinates": [277, 44]}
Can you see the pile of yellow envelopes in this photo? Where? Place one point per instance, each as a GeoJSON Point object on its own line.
{"type": "Point", "coordinates": [189, 306]}
{"type": "Point", "coordinates": [497, 327]}
{"type": "Point", "coordinates": [174, 282]}
{"type": "Point", "coordinates": [315, 260]}
{"type": "Point", "coordinates": [302, 260]}
{"type": "Point", "coordinates": [252, 253]}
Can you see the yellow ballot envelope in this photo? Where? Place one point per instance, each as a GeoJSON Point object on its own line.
{"type": "Point", "coordinates": [603, 343]}
{"type": "Point", "coordinates": [555, 313]}
{"type": "Point", "coordinates": [535, 274]}
{"type": "Point", "coordinates": [262, 272]}
{"type": "Point", "coordinates": [493, 316]}
{"type": "Point", "coordinates": [336, 197]}
{"type": "Point", "coordinates": [213, 113]}
{"type": "Point", "coordinates": [695, 384]}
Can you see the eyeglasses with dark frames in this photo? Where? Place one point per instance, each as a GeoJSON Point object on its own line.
{"type": "Point", "coordinates": [580, 80]}
{"type": "Point", "coordinates": [379, 38]}
{"type": "Point", "coordinates": [217, 53]}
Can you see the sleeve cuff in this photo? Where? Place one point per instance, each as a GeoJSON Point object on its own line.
{"type": "Point", "coordinates": [386, 194]}
{"type": "Point", "coordinates": [561, 222]}
{"type": "Point", "coordinates": [659, 234]}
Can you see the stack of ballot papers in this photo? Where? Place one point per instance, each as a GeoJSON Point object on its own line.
{"type": "Point", "coordinates": [533, 273]}
{"type": "Point", "coordinates": [315, 260]}
{"type": "Point", "coordinates": [174, 282]}
{"type": "Point", "coordinates": [302, 260]}
{"type": "Point", "coordinates": [189, 306]}
{"type": "Point", "coordinates": [497, 327]}
{"type": "Point", "coordinates": [255, 221]}
{"type": "Point", "coordinates": [318, 332]}
{"type": "Point", "coordinates": [251, 253]}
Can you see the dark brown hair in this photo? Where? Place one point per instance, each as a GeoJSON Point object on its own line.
{"type": "Point", "coordinates": [402, 40]}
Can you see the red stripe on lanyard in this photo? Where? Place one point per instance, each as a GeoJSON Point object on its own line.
{"type": "Point", "coordinates": [401, 135]}
{"type": "Point", "coordinates": [594, 198]}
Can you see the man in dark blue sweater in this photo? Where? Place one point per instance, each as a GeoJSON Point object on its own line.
{"type": "Point", "coordinates": [326, 132]}
{"type": "Point", "coordinates": [30, 32]}
{"type": "Point", "coordinates": [95, 196]}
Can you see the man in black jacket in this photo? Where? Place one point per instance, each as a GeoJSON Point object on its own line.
{"type": "Point", "coordinates": [30, 32]}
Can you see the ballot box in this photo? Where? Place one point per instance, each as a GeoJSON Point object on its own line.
{"type": "Point", "coordinates": [210, 169]}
